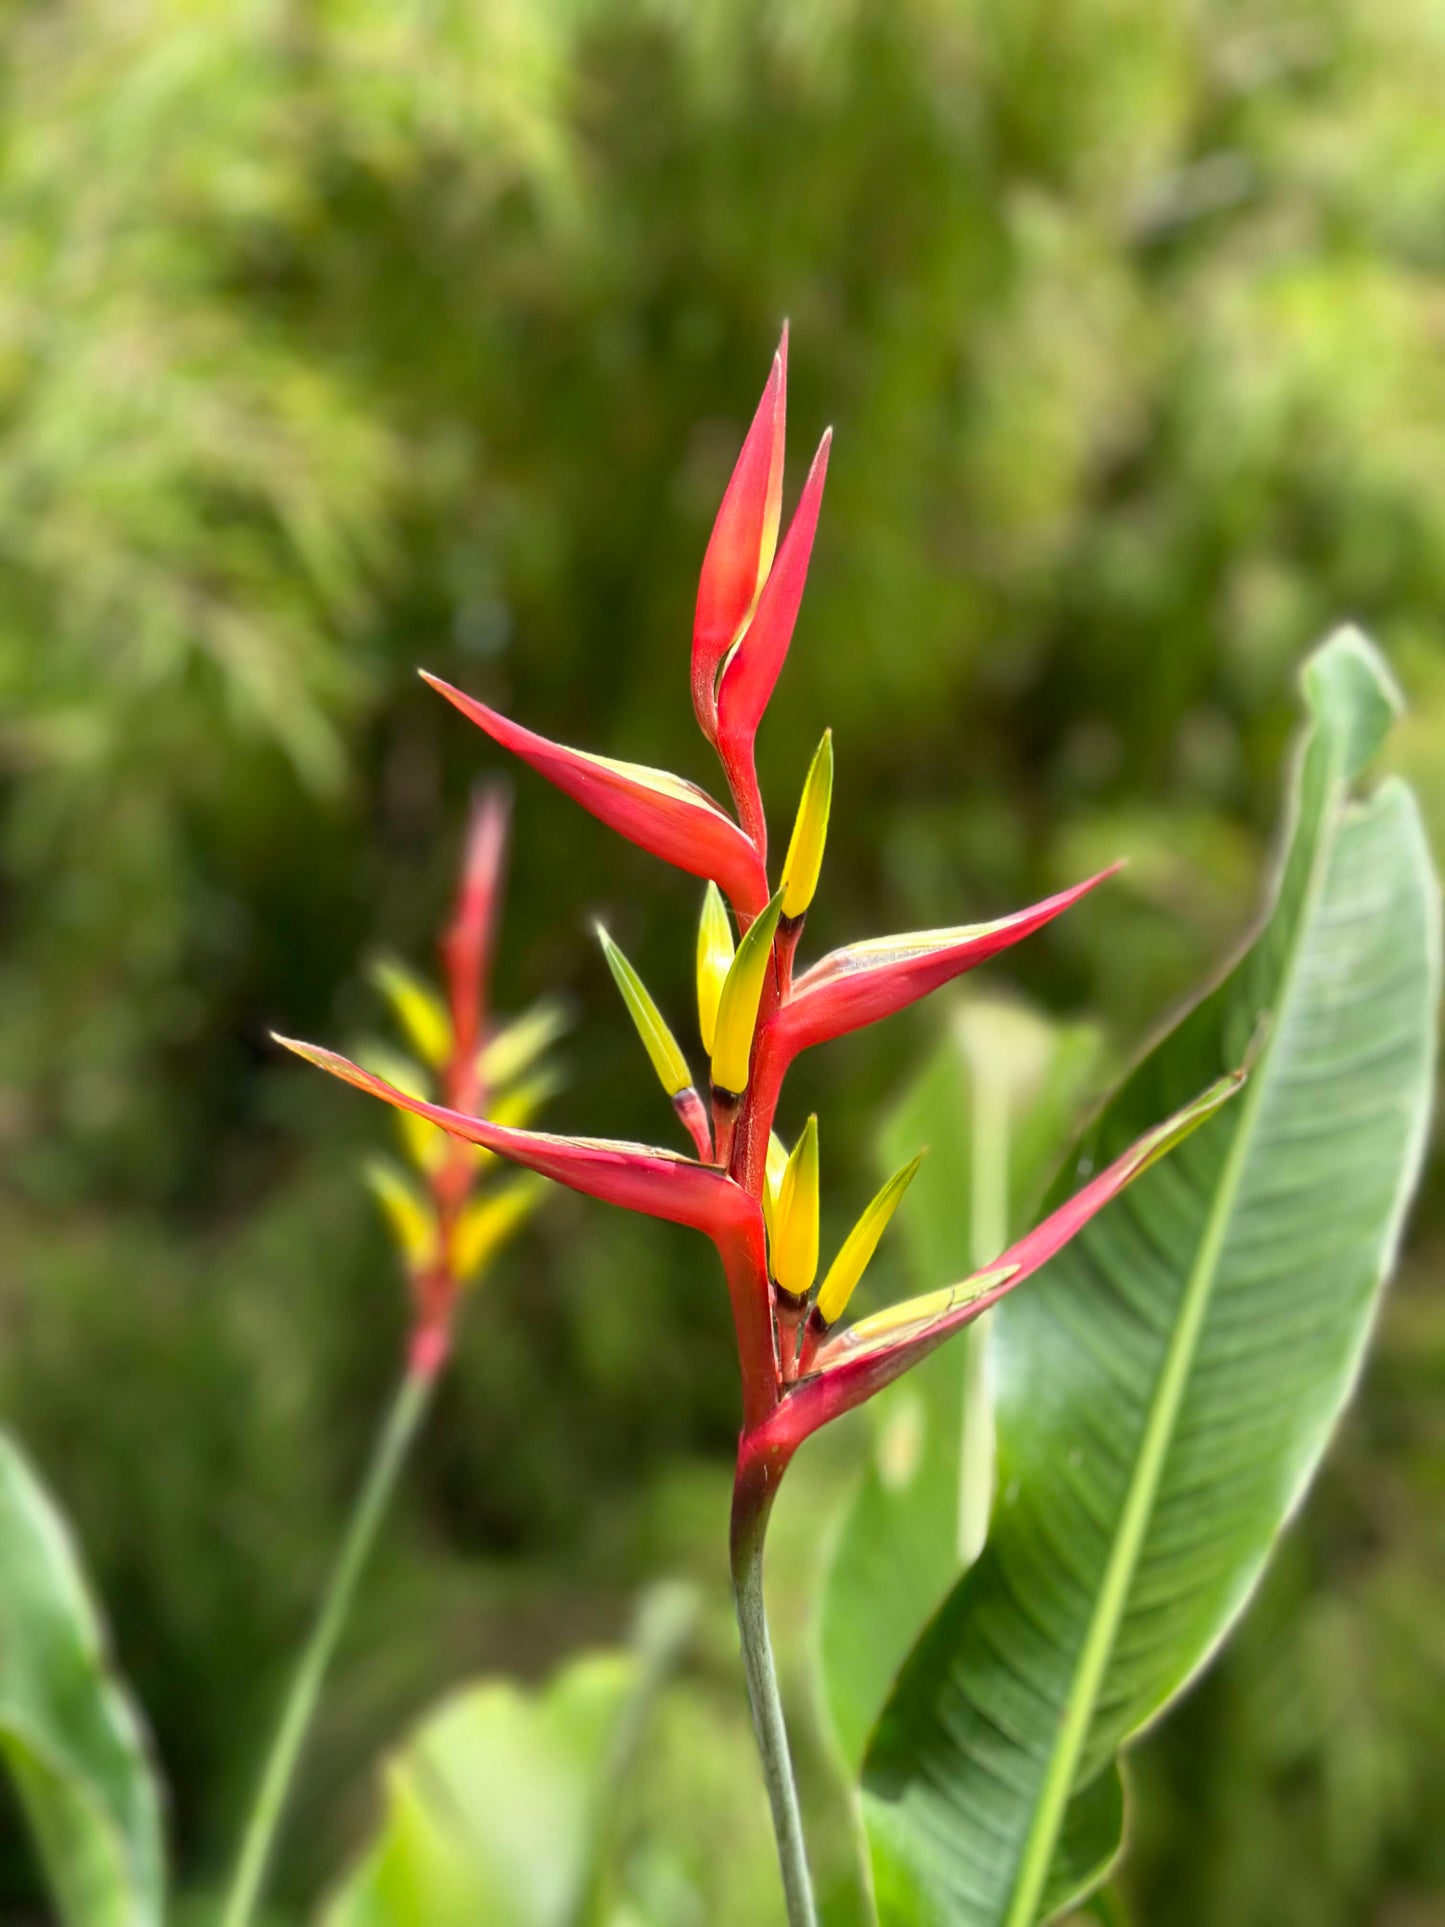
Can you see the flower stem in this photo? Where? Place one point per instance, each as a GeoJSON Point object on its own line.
{"type": "Point", "coordinates": [749, 1527]}
{"type": "Point", "coordinates": [263, 1825]}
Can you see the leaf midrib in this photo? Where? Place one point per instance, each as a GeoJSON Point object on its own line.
{"type": "Point", "coordinates": [1149, 1461]}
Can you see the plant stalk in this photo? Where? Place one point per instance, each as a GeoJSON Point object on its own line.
{"type": "Point", "coordinates": [263, 1825]}
{"type": "Point", "coordinates": [749, 1527]}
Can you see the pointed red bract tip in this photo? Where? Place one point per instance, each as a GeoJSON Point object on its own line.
{"type": "Point", "coordinates": [664, 814]}
{"type": "Point", "coordinates": [855, 1364]}
{"type": "Point", "coordinates": [740, 549]}
{"type": "Point", "coordinates": [751, 675]}
{"type": "Point", "coordinates": [639, 1177]}
{"type": "Point", "coordinates": [868, 981]}
{"type": "Point", "coordinates": [467, 943]}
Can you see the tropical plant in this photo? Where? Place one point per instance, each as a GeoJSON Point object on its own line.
{"type": "Point", "coordinates": [447, 1228]}
{"type": "Point", "coordinates": [757, 1201]}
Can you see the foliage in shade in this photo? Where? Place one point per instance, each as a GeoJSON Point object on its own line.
{"type": "Point", "coordinates": [502, 1807]}
{"type": "Point", "coordinates": [68, 1732]}
{"type": "Point", "coordinates": [1166, 1393]}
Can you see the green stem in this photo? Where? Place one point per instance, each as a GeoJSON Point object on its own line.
{"type": "Point", "coordinates": [371, 1502]}
{"type": "Point", "coordinates": [750, 1517]}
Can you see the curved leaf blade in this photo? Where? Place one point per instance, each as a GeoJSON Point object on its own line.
{"type": "Point", "coordinates": [1167, 1386]}
{"type": "Point", "coordinates": [71, 1739]}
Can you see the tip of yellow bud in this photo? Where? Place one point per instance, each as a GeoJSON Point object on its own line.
{"type": "Point", "coordinates": [860, 1244]}
{"type": "Point", "coordinates": [658, 1041]}
{"type": "Point", "coordinates": [412, 1221]}
{"type": "Point", "coordinates": [737, 1010]}
{"type": "Point", "coordinates": [419, 1010]}
{"type": "Point", "coordinates": [714, 959]}
{"type": "Point", "coordinates": [810, 832]}
{"type": "Point", "coordinates": [777, 1163]}
{"type": "Point", "coordinates": [793, 1256]}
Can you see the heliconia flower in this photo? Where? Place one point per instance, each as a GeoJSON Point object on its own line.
{"type": "Point", "coordinates": [744, 539]}
{"type": "Point", "coordinates": [660, 1044]}
{"type": "Point", "coordinates": [855, 1253]}
{"type": "Point", "coordinates": [804, 861]}
{"type": "Point", "coordinates": [793, 1240]}
{"type": "Point", "coordinates": [737, 1011]}
{"type": "Point", "coordinates": [714, 960]}
{"type": "Point", "coordinates": [663, 814]}
{"type": "Point", "coordinates": [801, 1364]}
{"type": "Point", "coordinates": [447, 1222]}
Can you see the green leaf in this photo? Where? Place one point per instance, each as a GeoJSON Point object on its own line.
{"type": "Point", "coordinates": [1167, 1386]}
{"type": "Point", "coordinates": [500, 1807]}
{"type": "Point", "coordinates": [71, 1739]}
{"type": "Point", "coordinates": [995, 1103]}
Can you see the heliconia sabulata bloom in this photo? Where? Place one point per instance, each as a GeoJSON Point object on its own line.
{"type": "Point", "coordinates": [800, 1366]}
{"type": "Point", "coordinates": [446, 1223]}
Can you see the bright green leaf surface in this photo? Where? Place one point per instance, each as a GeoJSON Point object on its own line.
{"type": "Point", "coordinates": [1167, 1386]}
{"type": "Point", "coordinates": [501, 1806]}
{"type": "Point", "coordinates": [71, 1740]}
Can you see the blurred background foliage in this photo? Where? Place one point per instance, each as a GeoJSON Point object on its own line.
{"type": "Point", "coordinates": [338, 336]}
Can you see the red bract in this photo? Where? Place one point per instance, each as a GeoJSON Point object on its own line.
{"type": "Point", "coordinates": [798, 1371]}
{"type": "Point", "coordinates": [740, 552]}
{"type": "Point", "coordinates": [664, 814]}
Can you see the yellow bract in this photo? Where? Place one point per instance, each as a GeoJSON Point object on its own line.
{"type": "Point", "coordinates": [860, 1244]}
{"type": "Point", "coordinates": [714, 957]}
{"type": "Point", "coordinates": [916, 1312]}
{"type": "Point", "coordinates": [773, 1176]}
{"type": "Point", "coordinates": [410, 1217]}
{"type": "Point", "coordinates": [422, 1014]}
{"type": "Point", "coordinates": [519, 1044]}
{"type": "Point", "coordinates": [737, 1011]}
{"type": "Point", "coordinates": [485, 1225]}
{"type": "Point", "coordinates": [658, 1041]}
{"type": "Point", "coordinates": [810, 832]}
{"type": "Point", "coordinates": [793, 1255]}
{"type": "Point", "coordinates": [426, 1143]}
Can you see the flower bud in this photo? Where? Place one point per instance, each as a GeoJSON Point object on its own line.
{"type": "Point", "coordinates": [714, 958]}
{"type": "Point", "coordinates": [737, 1011]}
{"type": "Point", "coordinates": [810, 832]}
{"type": "Point", "coordinates": [657, 1040]}
{"type": "Point", "coordinates": [860, 1244]}
{"type": "Point", "coordinates": [793, 1255]}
